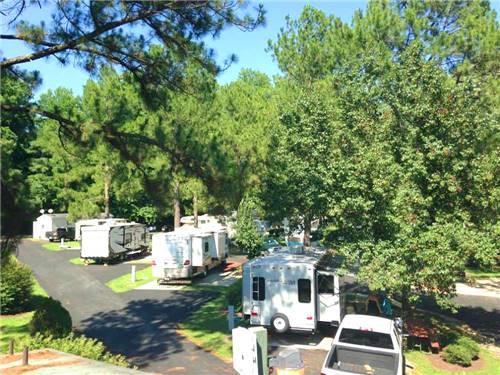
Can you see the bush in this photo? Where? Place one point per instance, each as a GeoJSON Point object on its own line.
{"type": "Point", "coordinates": [51, 318]}
{"type": "Point", "coordinates": [77, 345]}
{"type": "Point", "coordinates": [247, 237]}
{"type": "Point", "coordinates": [470, 345]}
{"type": "Point", "coordinates": [16, 287]}
{"type": "Point", "coordinates": [457, 354]}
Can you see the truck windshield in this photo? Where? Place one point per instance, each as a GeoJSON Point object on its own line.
{"type": "Point", "coordinates": [366, 338]}
{"type": "Point", "coordinates": [362, 361]}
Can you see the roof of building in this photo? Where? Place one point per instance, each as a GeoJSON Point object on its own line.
{"type": "Point", "coordinates": [53, 216]}
{"type": "Point", "coordinates": [49, 361]}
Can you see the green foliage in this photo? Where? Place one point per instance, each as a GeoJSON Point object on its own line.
{"type": "Point", "coordinates": [469, 344]}
{"type": "Point", "coordinates": [16, 287]}
{"type": "Point", "coordinates": [247, 236]}
{"type": "Point", "coordinates": [78, 345]}
{"type": "Point", "coordinates": [51, 318]}
{"type": "Point", "coordinates": [298, 180]}
{"type": "Point", "coordinates": [458, 355]}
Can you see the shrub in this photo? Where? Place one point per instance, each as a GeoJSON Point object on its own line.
{"type": "Point", "coordinates": [78, 345]}
{"type": "Point", "coordinates": [470, 345]}
{"type": "Point", "coordinates": [457, 354]}
{"type": "Point", "coordinates": [247, 236]}
{"type": "Point", "coordinates": [16, 287]}
{"type": "Point", "coordinates": [51, 318]}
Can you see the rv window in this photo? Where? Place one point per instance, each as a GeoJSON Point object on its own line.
{"type": "Point", "coordinates": [128, 238]}
{"type": "Point", "coordinates": [325, 284]}
{"type": "Point", "coordinates": [304, 290]}
{"type": "Point", "coordinates": [259, 289]}
{"type": "Point", "coordinates": [206, 247]}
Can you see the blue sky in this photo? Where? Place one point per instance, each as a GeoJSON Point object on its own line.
{"type": "Point", "coordinates": [249, 47]}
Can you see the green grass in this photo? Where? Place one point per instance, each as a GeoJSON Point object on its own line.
{"type": "Point", "coordinates": [479, 273]}
{"type": "Point", "coordinates": [423, 366]}
{"type": "Point", "coordinates": [124, 283]}
{"type": "Point", "coordinates": [56, 246]}
{"type": "Point", "coordinates": [207, 326]}
{"type": "Point", "coordinates": [16, 327]}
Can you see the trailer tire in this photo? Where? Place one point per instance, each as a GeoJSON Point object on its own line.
{"type": "Point", "coordinates": [280, 323]}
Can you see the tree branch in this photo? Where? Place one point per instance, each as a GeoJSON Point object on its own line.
{"type": "Point", "coordinates": [56, 48]}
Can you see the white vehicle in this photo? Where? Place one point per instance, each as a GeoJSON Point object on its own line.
{"type": "Point", "coordinates": [185, 253]}
{"type": "Point", "coordinates": [88, 222]}
{"type": "Point", "coordinates": [113, 241]}
{"type": "Point", "coordinates": [293, 290]}
{"type": "Point", "coordinates": [368, 345]}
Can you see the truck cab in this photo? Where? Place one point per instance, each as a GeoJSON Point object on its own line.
{"type": "Point", "coordinates": [367, 345]}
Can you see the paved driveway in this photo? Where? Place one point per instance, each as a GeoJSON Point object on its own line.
{"type": "Point", "coordinates": [138, 324]}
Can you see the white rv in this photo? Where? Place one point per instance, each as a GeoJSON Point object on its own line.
{"type": "Point", "coordinates": [88, 222]}
{"type": "Point", "coordinates": [47, 223]}
{"type": "Point", "coordinates": [185, 253]}
{"type": "Point", "coordinates": [113, 240]}
{"type": "Point", "coordinates": [293, 291]}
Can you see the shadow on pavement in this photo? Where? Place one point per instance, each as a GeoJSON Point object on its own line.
{"type": "Point", "coordinates": [144, 330]}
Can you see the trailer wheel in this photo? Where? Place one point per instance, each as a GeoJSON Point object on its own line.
{"type": "Point", "coordinates": [280, 323]}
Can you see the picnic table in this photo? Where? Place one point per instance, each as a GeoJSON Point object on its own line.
{"type": "Point", "coordinates": [422, 334]}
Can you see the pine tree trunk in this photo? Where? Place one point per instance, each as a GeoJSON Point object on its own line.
{"type": "Point", "coordinates": [307, 231]}
{"type": "Point", "coordinates": [177, 206]}
{"type": "Point", "coordinates": [107, 183]}
{"type": "Point", "coordinates": [195, 210]}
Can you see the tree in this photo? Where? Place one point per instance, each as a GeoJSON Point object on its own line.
{"type": "Point", "coordinates": [298, 179]}
{"type": "Point", "coordinates": [409, 149]}
{"type": "Point", "coordinates": [94, 34]}
{"type": "Point", "coordinates": [247, 236]}
{"type": "Point", "coordinates": [462, 36]}
{"type": "Point", "coordinates": [17, 133]}
{"type": "Point", "coordinates": [246, 112]}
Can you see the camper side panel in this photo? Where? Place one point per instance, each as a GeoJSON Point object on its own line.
{"type": "Point", "coordinates": [94, 243]}
{"type": "Point", "coordinates": [288, 291]}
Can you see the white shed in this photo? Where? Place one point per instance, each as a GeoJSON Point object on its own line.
{"type": "Point", "coordinates": [48, 222]}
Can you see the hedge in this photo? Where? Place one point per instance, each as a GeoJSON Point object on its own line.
{"type": "Point", "coordinates": [76, 344]}
{"type": "Point", "coordinates": [16, 287]}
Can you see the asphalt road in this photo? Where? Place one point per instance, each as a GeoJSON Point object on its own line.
{"type": "Point", "coordinates": [138, 324]}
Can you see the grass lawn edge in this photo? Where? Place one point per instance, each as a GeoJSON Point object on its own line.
{"type": "Point", "coordinates": [124, 284]}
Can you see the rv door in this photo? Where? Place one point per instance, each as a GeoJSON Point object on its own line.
{"type": "Point", "coordinates": [328, 299]}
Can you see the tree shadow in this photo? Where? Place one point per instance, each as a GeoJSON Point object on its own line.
{"type": "Point", "coordinates": [145, 330]}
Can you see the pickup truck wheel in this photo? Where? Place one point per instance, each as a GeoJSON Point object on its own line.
{"type": "Point", "coordinates": [280, 323]}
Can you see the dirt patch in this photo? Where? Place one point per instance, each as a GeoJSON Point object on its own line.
{"type": "Point", "coordinates": [22, 369]}
{"type": "Point", "coordinates": [43, 354]}
{"type": "Point", "coordinates": [438, 362]}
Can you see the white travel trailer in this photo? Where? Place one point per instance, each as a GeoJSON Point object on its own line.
{"type": "Point", "coordinates": [185, 253]}
{"type": "Point", "coordinates": [47, 223]}
{"type": "Point", "coordinates": [88, 222]}
{"type": "Point", "coordinates": [113, 241]}
{"type": "Point", "coordinates": [292, 290]}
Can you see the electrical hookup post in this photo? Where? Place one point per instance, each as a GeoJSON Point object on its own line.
{"type": "Point", "coordinates": [250, 351]}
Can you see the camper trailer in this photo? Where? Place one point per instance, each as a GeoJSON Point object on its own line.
{"type": "Point", "coordinates": [185, 253]}
{"type": "Point", "coordinates": [49, 222]}
{"type": "Point", "coordinates": [88, 222]}
{"type": "Point", "coordinates": [293, 290]}
{"type": "Point", "coordinates": [113, 241]}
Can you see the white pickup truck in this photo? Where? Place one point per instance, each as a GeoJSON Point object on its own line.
{"type": "Point", "coordinates": [367, 345]}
